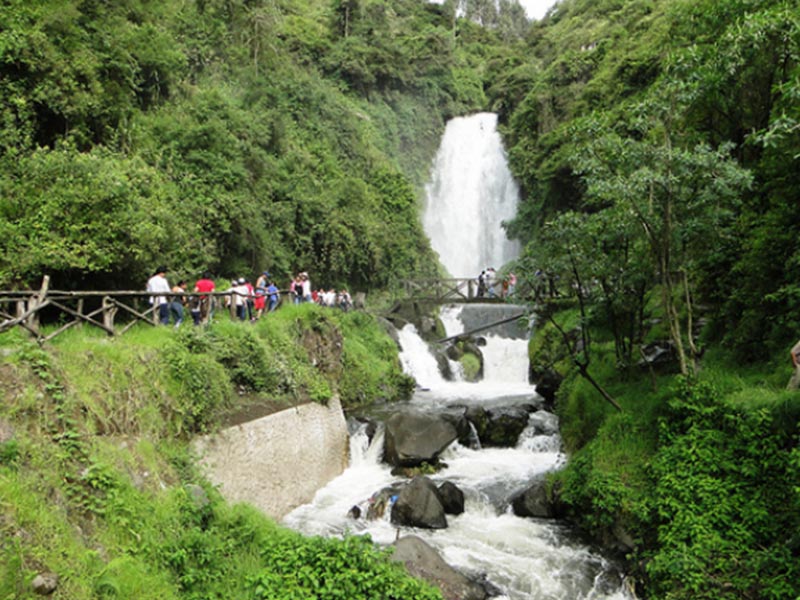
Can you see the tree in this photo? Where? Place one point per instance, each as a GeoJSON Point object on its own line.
{"type": "Point", "coordinates": [583, 252]}
{"type": "Point", "coordinates": [682, 195]}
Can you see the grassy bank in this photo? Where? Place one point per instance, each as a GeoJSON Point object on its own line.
{"type": "Point", "coordinates": [99, 487]}
{"type": "Point", "coordinates": [694, 481]}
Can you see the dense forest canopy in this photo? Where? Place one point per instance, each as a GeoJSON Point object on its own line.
{"type": "Point", "coordinates": [229, 135]}
{"type": "Point", "coordinates": [237, 135]}
{"type": "Point", "coordinates": [667, 130]}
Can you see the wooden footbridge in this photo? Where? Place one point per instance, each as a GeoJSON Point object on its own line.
{"type": "Point", "coordinates": [457, 291]}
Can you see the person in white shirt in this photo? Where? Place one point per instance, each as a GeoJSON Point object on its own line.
{"type": "Point", "coordinates": [158, 286]}
{"type": "Point", "coordinates": [239, 292]}
{"type": "Point", "coordinates": [306, 287]}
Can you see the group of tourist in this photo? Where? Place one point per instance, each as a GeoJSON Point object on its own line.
{"type": "Point", "coordinates": [488, 281]}
{"type": "Point", "coordinates": [245, 300]}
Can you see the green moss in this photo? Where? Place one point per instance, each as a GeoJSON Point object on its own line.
{"type": "Point", "coordinates": [471, 366]}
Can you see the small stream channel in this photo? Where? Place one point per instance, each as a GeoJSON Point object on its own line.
{"type": "Point", "coordinates": [524, 558]}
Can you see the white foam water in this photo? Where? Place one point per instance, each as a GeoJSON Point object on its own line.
{"type": "Point", "coordinates": [470, 194]}
{"type": "Point", "coordinates": [530, 559]}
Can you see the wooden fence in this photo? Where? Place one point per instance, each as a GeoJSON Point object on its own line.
{"type": "Point", "coordinates": [99, 309]}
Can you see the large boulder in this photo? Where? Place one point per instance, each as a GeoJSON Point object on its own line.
{"type": "Point", "coordinates": [500, 426]}
{"type": "Point", "coordinates": [533, 502]}
{"type": "Point", "coordinates": [451, 497]}
{"type": "Point", "coordinates": [418, 505]}
{"type": "Point", "coordinates": [414, 438]}
{"type": "Point", "coordinates": [457, 417]}
{"type": "Point", "coordinates": [423, 562]}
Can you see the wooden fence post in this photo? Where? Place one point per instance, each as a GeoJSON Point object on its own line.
{"type": "Point", "coordinates": [79, 324]}
{"type": "Point", "coordinates": [37, 300]}
{"type": "Point", "coordinates": [109, 312]}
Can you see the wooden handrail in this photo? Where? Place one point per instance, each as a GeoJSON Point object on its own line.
{"type": "Point", "coordinates": [27, 305]}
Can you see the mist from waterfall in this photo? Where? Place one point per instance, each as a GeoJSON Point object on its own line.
{"type": "Point", "coordinates": [470, 194]}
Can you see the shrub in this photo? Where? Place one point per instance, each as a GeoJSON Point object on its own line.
{"type": "Point", "coordinates": [322, 568]}
{"type": "Point", "coordinates": [726, 509]}
{"type": "Point", "coordinates": [202, 386]}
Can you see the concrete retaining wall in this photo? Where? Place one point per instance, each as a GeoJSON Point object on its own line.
{"type": "Point", "coordinates": [277, 462]}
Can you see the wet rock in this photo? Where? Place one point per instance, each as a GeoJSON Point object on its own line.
{"type": "Point", "coordinates": [379, 501]}
{"type": "Point", "coordinates": [451, 497]}
{"type": "Point", "coordinates": [370, 426]}
{"type": "Point", "coordinates": [504, 426]}
{"type": "Point", "coordinates": [539, 502]}
{"type": "Point", "coordinates": [427, 326]}
{"type": "Point", "coordinates": [391, 325]}
{"type": "Point", "coordinates": [418, 505]}
{"type": "Point", "coordinates": [533, 502]}
{"type": "Point", "coordinates": [443, 363]}
{"type": "Point", "coordinates": [45, 584]}
{"type": "Point", "coordinates": [454, 352]}
{"type": "Point", "coordinates": [467, 352]}
{"type": "Point", "coordinates": [415, 438]}
{"type": "Point", "coordinates": [479, 417]}
{"type": "Point", "coordinates": [500, 426]}
{"type": "Point", "coordinates": [544, 423]}
{"type": "Point", "coordinates": [458, 419]}
{"type": "Point", "coordinates": [547, 382]}
{"type": "Point", "coordinates": [423, 562]}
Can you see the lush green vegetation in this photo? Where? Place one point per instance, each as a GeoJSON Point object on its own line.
{"type": "Point", "coordinates": [655, 142]}
{"type": "Point", "coordinates": [695, 481]}
{"type": "Point", "coordinates": [99, 484]}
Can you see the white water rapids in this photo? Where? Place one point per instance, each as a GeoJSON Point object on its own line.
{"type": "Point", "coordinates": [525, 558]}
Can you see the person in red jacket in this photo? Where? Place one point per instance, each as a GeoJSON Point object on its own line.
{"type": "Point", "coordinates": [205, 285]}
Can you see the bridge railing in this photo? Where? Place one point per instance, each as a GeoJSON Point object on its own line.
{"type": "Point", "coordinates": [441, 290]}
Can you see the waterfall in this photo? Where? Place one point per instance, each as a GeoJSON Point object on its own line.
{"type": "Point", "coordinates": [470, 194]}
{"type": "Point", "coordinates": [505, 362]}
{"type": "Point", "coordinates": [417, 360]}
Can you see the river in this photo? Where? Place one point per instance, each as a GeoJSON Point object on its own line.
{"type": "Point", "coordinates": [526, 558]}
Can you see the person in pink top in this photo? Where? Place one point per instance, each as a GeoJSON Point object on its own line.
{"type": "Point", "coordinates": [250, 301]}
{"type": "Point", "coordinates": [512, 283]}
{"type": "Point", "coordinates": [205, 285]}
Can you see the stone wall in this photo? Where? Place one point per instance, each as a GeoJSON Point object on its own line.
{"type": "Point", "coordinates": [277, 462]}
